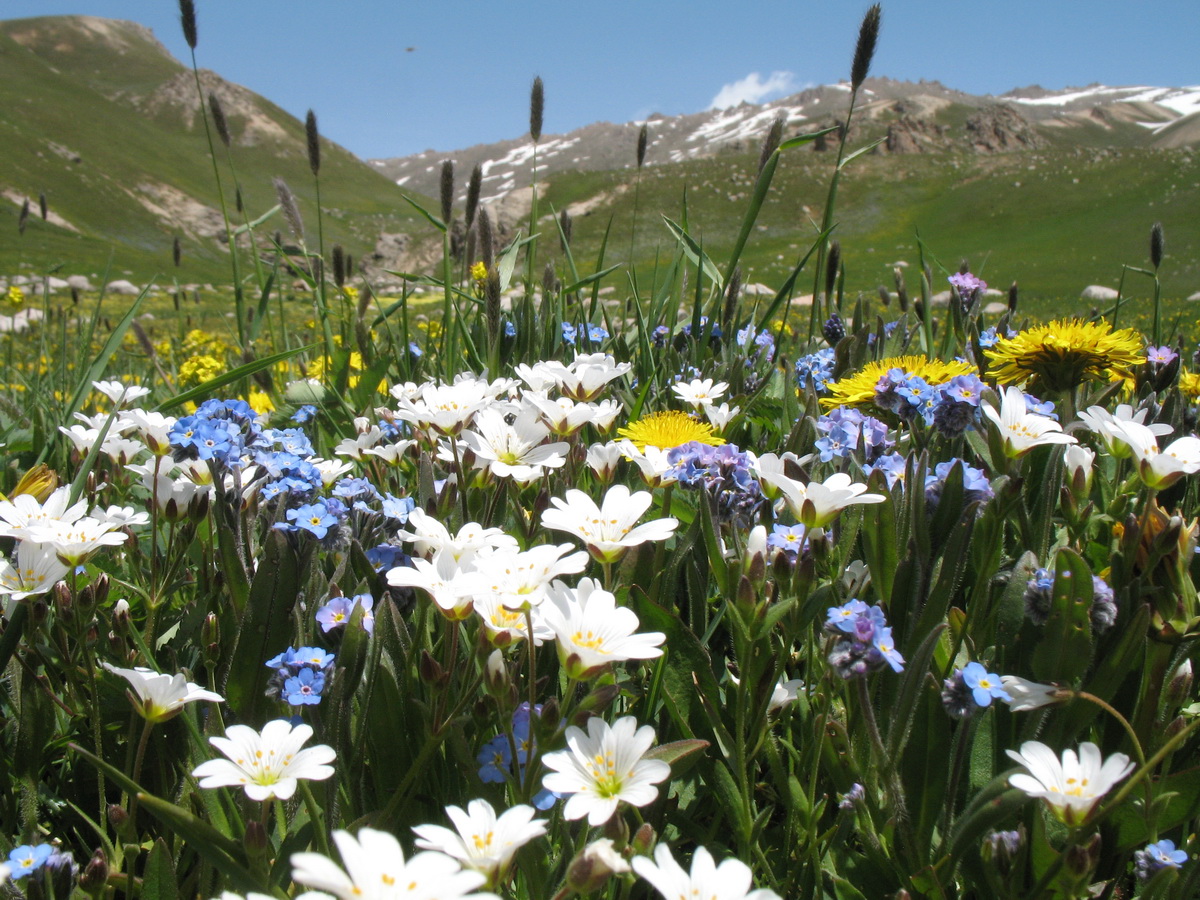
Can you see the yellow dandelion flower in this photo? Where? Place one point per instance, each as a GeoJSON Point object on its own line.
{"type": "Point", "coordinates": [260, 401]}
{"type": "Point", "coordinates": [1065, 353]}
{"type": "Point", "coordinates": [350, 293]}
{"type": "Point", "coordinates": [15, 296]}
{"type": "Point", "coordinates": [199, 369]}
{"type": "Point", "coordinates": [1189, 383]}
{"type": "Point", "coordinates": [859, 388]}
{"type": "Point", "coordinates": [479, 272]}
{"type": "Point", "coordinates": [668, 429]}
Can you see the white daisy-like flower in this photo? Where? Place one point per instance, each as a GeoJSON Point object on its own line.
{"type": "Point", "coordinates": [514, 451]}
{"type": "Point", "coordinates": [1157, 468]}
{"type": "Point", "coordinates": [153, 428]}
{"type": "Point", "coordinates": [375, 869]}
{"type": "Point", "coordinates": [430, 536]}
{"type": "Point", "coordinates": [610, 529]}
{"type": "Point", "coordinates": [519, 578]}
{"type": "Point", "coordinates": [483, 841]}
{"type": "Point", "coordinates": [731, 880]}
{"type": "Point", "coordinates": [604, 767]}
{"type": "Point", "coordinates": [121, 516]}
{"type": "Point", "coordinates": [562, 415]}
{"type": "Point", "coordinates": [504, 626]}
{"type": "Point", "coordinates": [603, 458]}
{"type": "Point", "coordinates": [22, 513]}
{"type": "Point", "coordinates": [719, 417]}
{"type": "Point", "coordinates": [35, 570]}
{"type": "Point", "coordinates": [1072, 786]}
{"type": "Point", "coordinates": [700, 393]}
{"type": "Point", "coordinates": [1098, 419]}
{"type": "Point", "coordinates": [119, 393]}
{"type": "Point", "coordinates": [75, 542]}
{"type": "Point", "coordinates": [818, 503]}
{"type": "Point", "coordinates": [592, 631]}
{"type": "Point", "coordinates": [652, 462]}
{"type": "Point", "coordinates": [160, 697]}
{"type": "Point", "coordinates": [445, 408]}
{"type": "Point", "coordinates": [267, 764]}
{"type": "Point", "coordinates": [451, 588]}
{"type": "Point", "coordinates": [1020, 429]}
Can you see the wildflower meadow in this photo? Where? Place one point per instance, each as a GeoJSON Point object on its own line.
{"type": "Point", "coordinates": [534, 592]}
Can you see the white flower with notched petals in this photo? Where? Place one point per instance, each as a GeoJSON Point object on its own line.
{"type": "Point", "coordinates": [519, 578]}
{"type": "Point", "coordinates": [451, 588]}
{"type": "Point", "coordinates": [483, 841]}
{"type": "Point", "coordinates": [514, 451]}
{"type": "Point", "coordinates": [377, 870]}
{"type": "Point", "coordinates": [430, 536]}
{"type": "Point", "coordinates": [121, 394]}
{"type": "Point", "coordinates": [604, 767]}
{"type": "Point", "coordinates": [1026, 695]}
{"type": "Point", "coordinates": [610, 529]}
{"type": "Point", "coordinates": [818, 503]}
{"type": "Point", "coordinates": [700, 393]}
{"type": "Point", "coordinates": [266, 764]}
{"type": "Point", "coordinates": [1072, 786]}
{"type": "Point", "coordinates": [35, 570]}
{"type": "Point", "coordinates": [161, 697]}
{"type": "Point", "coordinates": [731, 880]}
{"type": "Point", "coordinates": [585, 378]}
{"type": "Point", "coordinates": [719, 417]}
{"type": "Point", "coordinates": [1157, 468]}
{"type": "Point", "coordinates": [75, 542]}
{"type": "Point", "coordinates": [23, 513]}
{"type": "Point", "coordinates": [592, 631]}
{"type": "Point", "coordinates": [503, 626]}
{"type": "Point", "coordinates": [1098, 420]}
{"type": "Point", "coordinates": [1020, 429]}
{"type": "Point", "coordinates": [652, 462]}
{"type": "Point", "coordinates": [603, 458]}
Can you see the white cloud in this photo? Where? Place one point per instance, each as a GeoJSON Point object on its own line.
{"type": "Point", "coordinates": [754, 89]}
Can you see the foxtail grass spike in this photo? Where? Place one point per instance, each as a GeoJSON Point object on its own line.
{"type": "Point", "coordinates": [1157, 244]}
{"type": "Point", "coordinates": [219, 120]}
{"type": "Point", "coordinates": [339, 265]}
{"type": "Point", "coordinates": [23, 218]}
{"type": "Point", "coordinates": [176, 252]}
{"type": "Point", "coordinates": [487, 250]}
{"type": "Point", "coordinates": [187, 18]}
{"type": "Point", "coordinates": [733, 293]}
{"type": "Point", "coordinates": [537, 105]}
{"type": "Point", "coordinates": [45, 210]}
{"type": "Point", "coordinates": [771, 141]}
{"type": "Point", "coordinates": [964, 267]}
{"type": "Point", "coordinates": [549, 281]}
{"type": "Point", "coordinates": [313, 138]}
{"type": "Point", "coordinates": [473, 187]}
{"type": "Point", "coordinates": [291, 212]}
{"type": "Point", "coordinates": [901, 289]}
{"type": "Point", "coordinates": [564, 221]}
{"type": "Point", "coordinates": [864, 50]}
{"type": "Point", "coordinates": [447, 190]}
{"type": "Point", "coordinates": [142, 338]}
{"type": "Point", "coordinates": [364, 298]}
{"type": "Point", "coordinates": [237, 200]}
{"type": "Point", "coordinates": [833, 262]}
{"type": "Point", "coordinates": [884, 296]}
{"type": "Point", "coordinates": [643, 137]}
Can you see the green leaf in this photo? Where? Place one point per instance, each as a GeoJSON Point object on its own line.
{"type": "Point", "coordinates": [266, 626]}
{"type": "Point", "coordinates": [801, 139]}
{"type": "Point", "coordinates": [695, 254]}
{"type": "Point", "coordinates": [671, 752]}
{"type": "Point", "coordinates": [158, 879]}
{"type": "Point", "coordinates": [429, 217]}
{"type": "Point", "coordinates": [1065, 651]}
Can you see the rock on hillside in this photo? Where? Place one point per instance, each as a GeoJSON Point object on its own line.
{"type": "Point", "coordinates": [998, 128]}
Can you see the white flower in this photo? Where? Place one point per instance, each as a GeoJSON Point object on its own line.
{"type": "Point", "coordinates": [1020, 429]}
{"type": "Point", "coordinates": [451, 588]}
{"type": "Point", "coordinates": [484, 841]}
{"type": "Point", "coordinates": [1027, 695]}
{"type": "Point", "coordinates": [731, 880]}
{"type": "Point", "coordinates": [266, 764]}
{"type": "Point", "coordinates": [603, 767]}
{"type": "Point", "coordinates": [700, 393]}
{"type": "Point", "coordinates": [514, 451]}
{"type": "Point", "coordinates": [608, 530]}
{"type": "Point", "coordinates": [652, 462]}
{"type": "Point", "coordinates": [153, 428]}
{"type": "Point", "coordinates": [772, 470]}
{"type": "Point", "coordinates": [1157, 468]}
{"type": "Point", "coordinates": [1073, 787]}
{"type": "Point", "coordinates": [362, 442]}
{"type": "Point", "coordinates": [445, 408]}
{"type": "Point", "coordinates": [584, 379]}
{"type": "Point", "coordinates": [603, 458]}
{"type": "Point", "coordinates": [816, 504]}
{"type": "Point", "coordinates": [431, 536]}
{"type": "Point", "coordinates": [720, 416]}
{"type": "Point", "coordinates": [1098, 419]}
{"type": "Point", "coordinates": [119, 393]}
{"type": "Point", "coordinates": [562, 415]}
{"type": "Point", "coordinates": [75, 542]}
{"type": "Point", "coordinates": [36, 570]}
{"type": "Point", "coordinates": [377, 870]}
{"type": "Point", "coordinates": [592, 631]}
{"type": "Point", "coordinates": [506, 626]}
{"type": "Point", "coordinates": [121, 516]}
{"type": "Point", "coordinates": [782, 694]}
{"type": "Point", "coordinates": [160, 697]}
{"type": "Point", "coordinates": [23, 512]}
{"type": "Point", "coordinates": [391, 453]}
{"type": "Point", "coordinates": [520, 577]}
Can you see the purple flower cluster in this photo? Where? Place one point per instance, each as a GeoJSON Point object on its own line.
{"type": "Point", "coordinates": [724, 473]}
{"type": "Point", "coordinates": [338, 611]}
{"type": "Point", "coordinates": [951, 407]}
{"type": "Point", "coordinates": [792, 540]}
{"type": "Point", "coordinates": [866, 640]}
{"type": "Point", "coordinates": [763, 342]}
{"type": "Point", "coordinates": [970, 288]}
{"type": "Point", "coordinates": [989, 338]}
{"type": "Point", "coordinates": [843, 427]}
{"type": "Point", "coordinates": [816, 370]}
{"type": "Point", "coordinates": [299, 675]}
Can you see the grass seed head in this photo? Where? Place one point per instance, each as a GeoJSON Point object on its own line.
{"type": "Point", "coordinates": [187, 18]}
{"type": "Point", "coordinates": [537, 106]}
{"type": "Point", "coordinates": [864, 50]}
{"type": "Point", "coordinates": [313, 139]}
{"type": "Point", "coordinates": [474, 185]}
{"type": "Point", "coordinates": [1157, 244]}
{"type": "Point", "coordinates": [446, 186]}
{"type": "Point", "coordinates": [291, 212]}
{"type": "Point", "coordinates": [771, 142]}
{"type": "Point", "coordinates": [219, 120]}
{"type": "Point", "coordinates": [643, 137]}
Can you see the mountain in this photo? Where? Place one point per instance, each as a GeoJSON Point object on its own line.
{"type": "Point", "coordinates": [924, 116]}
{"type": "Point", "coordinates": [99, 117]}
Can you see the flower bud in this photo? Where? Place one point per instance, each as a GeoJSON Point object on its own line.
{"type": "Point", "coordinates": [495, 675]}
{"type": "Point", "coordinates": [100, 589]}
{"type": "Point", "coordinates": [592, 868]}
{"type": "Point", "coordinates": [1082, 859]}
{"type": "Point", "coordinates": [120, 616]}
{"type": "Point", "coordinates": [256, 841]}
{"type": "Point", "coordinates": [64, 602]}
{"type": "Point", "coordinates": [39, 610]}
{"type": "Point", "coordinates": [118, 818]}
{"type": "Point", "coordinates": [617, 830]}
{"type": "Point", "coordinates": [1179, 688]}
{"type": "Point", "coordinates": [95, 874]}
{"type": "Point", "coordinates": [430, 669]}
{"type": "Point", "coordinates": [1077, 465]}
{"type": "Point", "coordinates": [643, 840]}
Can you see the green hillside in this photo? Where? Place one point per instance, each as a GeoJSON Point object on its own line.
{"type": "Point", "coordinates": [81, 122]}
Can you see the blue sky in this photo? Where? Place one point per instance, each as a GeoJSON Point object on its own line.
{"type": "Point", "coordinates": [467, 80]}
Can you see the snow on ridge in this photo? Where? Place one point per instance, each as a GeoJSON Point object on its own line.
{"type": "Point", "coordinates": [1082, 94]}
{"type": "Point", "coordinates": [739, 125]}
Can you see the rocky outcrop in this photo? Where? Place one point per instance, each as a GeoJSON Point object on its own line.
{"type": "Point", "coordinates": [911, 135]}
{"type": "Point", "coordinates": [1000, 128]}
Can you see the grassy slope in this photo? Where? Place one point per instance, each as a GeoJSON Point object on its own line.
{"type": "Point", "coordinates": [49, 95]}
{"type": "Point", "coordinates": [1075, 218]}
